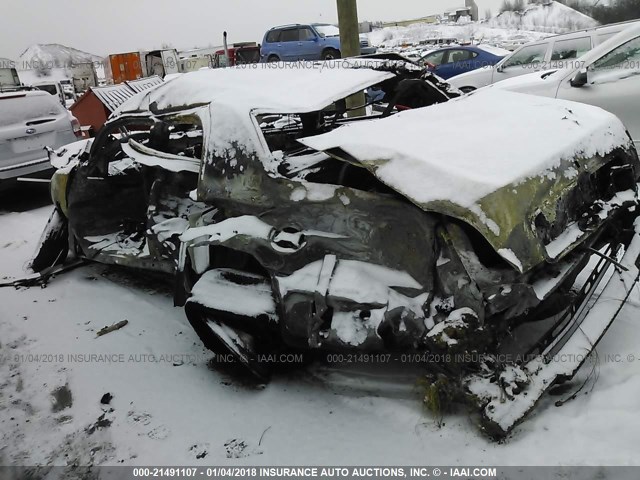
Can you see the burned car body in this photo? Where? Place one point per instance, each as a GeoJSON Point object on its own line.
{"type": "Point", "coordinates": [289, 226]}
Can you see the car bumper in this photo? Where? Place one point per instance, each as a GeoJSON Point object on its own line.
{"type": "Point", "coordinates": [26, 169]}
{"type": "Point", "coordinates": [560, 362]}
{"type": "Point", "coordinates": [368, 50]}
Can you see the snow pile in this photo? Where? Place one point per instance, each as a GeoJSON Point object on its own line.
{"type": "Point", "coordinates": [53, 55]}
{"type": "Point", "coordinates": [31, 77]}
{"type": "Point", "coordinates": [553, 17]}
{"type": "Point", "coordinates": [419, 34]}
{"type": "Point", "coordinates": [508, 30]}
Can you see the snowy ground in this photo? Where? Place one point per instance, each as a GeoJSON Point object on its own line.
{"type": "Point", "coordinates": [191, 413]}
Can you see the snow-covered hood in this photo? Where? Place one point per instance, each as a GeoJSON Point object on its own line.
{"type": "Point", "coordinates": [475, 78]}
{"type": "Point", "coordinates": [485, 158]}
{"type": "Point", "coordinates": [539, 83]}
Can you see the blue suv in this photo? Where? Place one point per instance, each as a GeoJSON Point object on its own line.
{"type": "Point", "coordinates": [315, 41]}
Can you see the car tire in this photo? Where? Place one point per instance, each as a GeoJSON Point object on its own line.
{"type": "Point", "coordinates": [331, 54]}
{"type": "Point", "coordinates": [467, 89]}
{"type": "Point", "coordinates": [273, 59]}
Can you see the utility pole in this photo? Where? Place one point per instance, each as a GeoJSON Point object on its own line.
{"type": "Point", "coordinates": [350, 46]}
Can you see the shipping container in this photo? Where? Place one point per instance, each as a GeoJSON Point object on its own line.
{"type": "Point", "coordinates": [125, 66]}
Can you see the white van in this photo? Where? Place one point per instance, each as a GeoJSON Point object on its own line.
{"type": "Point", "coordinates": [558, 51]}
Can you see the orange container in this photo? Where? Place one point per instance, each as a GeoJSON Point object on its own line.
{"type": "Point", "coordinates": [125, 66]}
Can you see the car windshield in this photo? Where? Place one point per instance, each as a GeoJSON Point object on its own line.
{"type": "Point", "coordinates": [48, 88]}
{"type": "Point", "coordinates": [22, 109]}
{"type": "Point", "coordinates": [328, 30]}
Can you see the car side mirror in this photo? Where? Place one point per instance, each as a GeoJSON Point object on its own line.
{"type": "Point", "coordinates": [500, 69]}
{"type": "Point", "coordinates": [316, 39]}
{"type": "Point", "coordinates": [580, 79]}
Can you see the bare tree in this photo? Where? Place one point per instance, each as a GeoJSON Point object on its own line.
{"type": "Point", "coordinates": [519, 5]}
{"type": "Point", "coordinates": [618, 11]}
{"type": "Point", "coordinates": [506, 6]}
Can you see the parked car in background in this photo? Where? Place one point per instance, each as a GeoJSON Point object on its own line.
{"type": "Point", "coordinates": [53, 88]}
{"type": "Point", "coordinates": [314, 41]}
{"type": "Point", "coordinates": [553, 52]}
{"type": "Point", "coordinates": [608, 77]}
{"type": "Point", "coordinates": [451, 61]}
{"type": "Point", "coordinates": [69, 92]}
{"type": "Point", "coordinates": [31, 120]}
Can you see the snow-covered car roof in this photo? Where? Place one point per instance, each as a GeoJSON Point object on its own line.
{"type": "Point", "coordinates": [272, 87]}
{"type": "Point", "coordinates": [500, 52]}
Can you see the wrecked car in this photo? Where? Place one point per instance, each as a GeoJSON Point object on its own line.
{"type": "Point", "coordinates": [292, 225]}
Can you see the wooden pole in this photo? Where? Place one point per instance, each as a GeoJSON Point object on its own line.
{"type": "Point", "coordinates": [350, 46]}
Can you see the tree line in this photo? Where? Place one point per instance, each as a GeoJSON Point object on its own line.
{"type": "Point", "coordinates": [617, 11]}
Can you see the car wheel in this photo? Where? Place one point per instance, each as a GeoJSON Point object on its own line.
{"type": "Point", "coordinates": [331, 54]}
{"type": "Point", "coordinates": [273, 59]}
{"type": "Point", "coordinates": [467, 89]}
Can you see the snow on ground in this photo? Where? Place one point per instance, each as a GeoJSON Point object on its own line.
{"type": "Point", "coordinates": [181, 411]}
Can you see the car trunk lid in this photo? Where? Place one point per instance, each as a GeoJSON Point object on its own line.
{"type": "Point", "coordinates": [491, 159]}
{"type": "Point", "coordinates": [27, 125]}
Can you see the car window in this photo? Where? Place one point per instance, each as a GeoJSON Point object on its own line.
{"type": "Point", "coordinates": [48, 88]}
{"type": "Point", "coordinates": [459, 56]}
{"type": "Point", "coordinates": [22, 109]}
{"type": "Point", "coordinates": [573, 48]}
{"type": "Point", "coordinates": [435, 58]}
{"type": "Point", "coordinates": [605, 36]}
{"type": "Point", "coordinates": [273, 36]}
{"type": "Point", "coordinates": [527, 55]}
{"type": "Point", "coordinates": [290, 35]}
{"type": "Point", "coordinates": [328, 30]}
{"type": "Point", "coordinates": [306, 34]}
{"type": "Point", "coordinates": [179, 136]}
{"type": "Point", "coordinates": [626, 56]}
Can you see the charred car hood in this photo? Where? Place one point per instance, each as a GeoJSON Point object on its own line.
{"type": "Point", "coordinates": [494, 159]}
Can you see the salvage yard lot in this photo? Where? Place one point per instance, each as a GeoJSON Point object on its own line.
{"type": "Point", "coordinates": [169, 412]}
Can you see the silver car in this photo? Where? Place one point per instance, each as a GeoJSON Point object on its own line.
{"type": "Point", "coordinates": [607, 77]}
{"type": "Point", "coordinates": [29, 122]}
{"type": "Point", "coordinates": [558, 51]}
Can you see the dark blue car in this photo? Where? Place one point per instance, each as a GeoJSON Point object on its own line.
{"type": "Point", "coordinates": [451, 61]}
{"type": "Point", "coordinates": [316, 41]}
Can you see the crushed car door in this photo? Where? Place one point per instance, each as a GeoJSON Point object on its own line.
{"type": "Point", "coordinates": [173, 156]}
{"type": "Point", "coordinates": [132, 172]}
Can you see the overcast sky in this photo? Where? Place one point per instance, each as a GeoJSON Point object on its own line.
{"type": "Point", "coordinates": [111, 26]}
